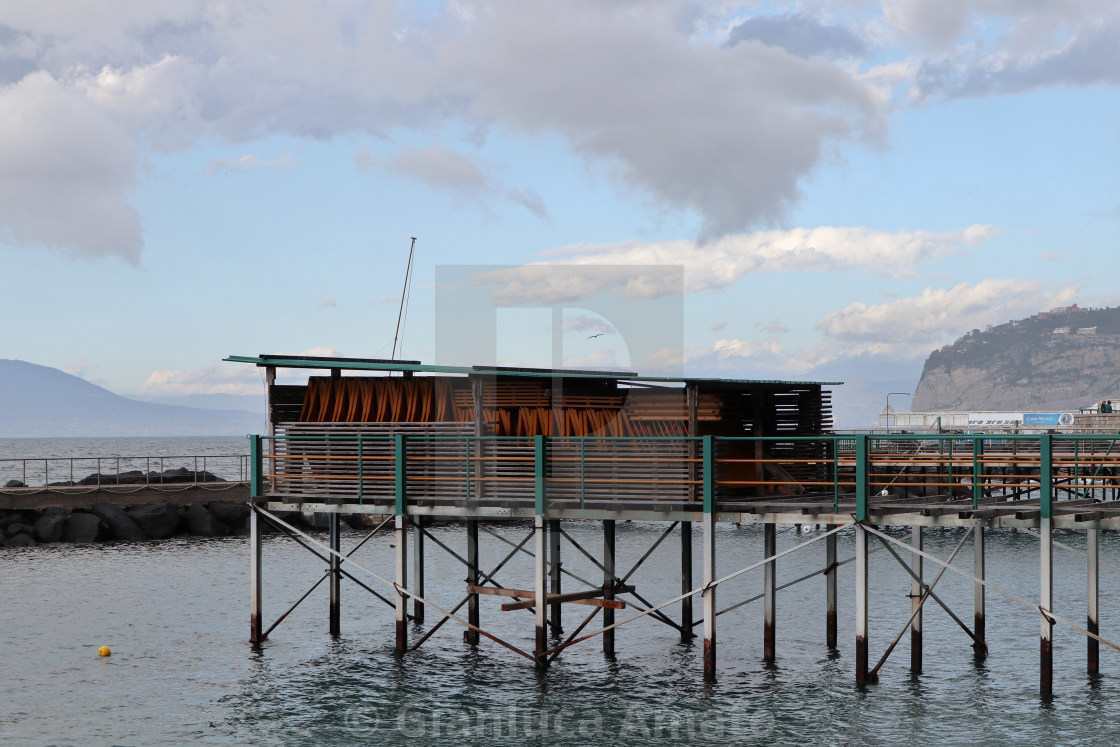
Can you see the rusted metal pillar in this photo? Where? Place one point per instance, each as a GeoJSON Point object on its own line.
{"type": "Point", "coordinates": [401, 527]}
{"type": "Point", "coordinates": [830, 588]}
{"type": "Point", "coordinates": [471, 636]}
{"type": "Point", "coordinates": [255, 578]}
{"type": "Point", "coordinates": [608, 584]}
{"type": "Point", "coordinates": [1092, 599]}
{"type": "Point", "coordinates": [916, 591]}
{"type": "Point", "coordinates": [335, 574]}
{"type": "Point", "coordinates": [862, 444]}
{"type": "Point", "coordinates": [1046, 571]}
{"type": "Point", "coordinates": [554, 577]}
{"type": "Point", "coordinates": [400, 472]}
{"type": "Point", "coordinates": [686, 580]}
{"type": "Point", "coordinates": [861, 607]}
{"type": "Point", "coordinates": [979, 623]}
{"type": "Point", "coordinates": [692, 402]}
{"type": "Point", "coordinates": [540, 591]}
{"type": "Point", "coordinates": [769, 584]}
{"type": "Point", "coordinates": [417, 568]}
{"type": "Point", "coordinates": [709, 593]}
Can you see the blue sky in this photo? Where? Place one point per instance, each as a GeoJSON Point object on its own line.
{"type": "Point", "coordinates": [847, 185]}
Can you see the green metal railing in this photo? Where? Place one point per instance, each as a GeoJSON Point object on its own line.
{"type": "Point", "coordinates": [967, 469]}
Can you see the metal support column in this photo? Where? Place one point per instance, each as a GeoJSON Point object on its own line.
{"type": "Point", "coordinates": [401, 526]}
{"type": "Point", "coordinates": [709, 594]}
{"type": "Point", "coordinates": [1092, 598]}
{"type": "Point", "coordinates": [830, 589]}
{"type": "Point", "coordinates": [979, 623]}
{"type": "Point", "coordinates": [861, 560]}
{"type": "Point", "coordinates": [608, 584]}
{"type": "Point", "coordinates": [471, 636]}
{"type": "Point", "coordinates": [540, 591]}
{"type": "Point", "coordinates": [1046, 571]}
{"type": "Point", "coordinates": [417, 569]}
{"type": "Point", "coordinates": [256, 488]}
{"type": "Point", "coordinates": [256, 620]}
{"type": "Point", "coordinates": [335, 574]}
{"type": "Point", "coordinates": [917, 588]}
{"type": "Point", "coordinates": [554, 583]}
{"type": "Point", "coordinates": [686, 580]}
{"type": "Point", "coordinates": [861, 606]}
{"type": "Point", "coordinates": [769, 584]}
{"type": "Point", "coordinates": [400, 491]}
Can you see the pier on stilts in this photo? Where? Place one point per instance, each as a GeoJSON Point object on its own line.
{"type": "Point", "coordinates": [482, 445]}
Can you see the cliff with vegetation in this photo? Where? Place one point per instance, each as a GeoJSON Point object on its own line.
{"type": "Point", "coordinates": [1058, 360]}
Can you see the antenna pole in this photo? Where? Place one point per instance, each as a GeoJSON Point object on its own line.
{"type": "Point", "coordinates": [407, 272]}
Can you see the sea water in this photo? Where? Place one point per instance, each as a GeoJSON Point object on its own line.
{"type": "Point", "coordinates": [175, 614]}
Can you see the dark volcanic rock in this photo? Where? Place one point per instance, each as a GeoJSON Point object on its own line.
{"type": "Point", "coordinates": [49, 526]}
{"type": "Point", "coordinates": [203, 523]}
{"type": "Point", "coordinates": [121, 525]}
{"type": "Point", "coordinates": [18, 527]}
{"type": "Point", "coordinates": [20, 517]}
{"type": "Point", "coordinates": [182, 474]}
{"type": "Point", "coordinates": [14, 484]}
{"type": "Point", "coordinates": [82, 528]}
{"type": "Point", "coordinates": [20, 540]}
{"type": "Point", "coordinates": [231, 514]}
{"type": "Point", "coordinates": [158, 521]}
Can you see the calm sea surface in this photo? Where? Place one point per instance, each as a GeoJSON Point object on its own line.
{"type": "Point", "coordinates": [175, 614]}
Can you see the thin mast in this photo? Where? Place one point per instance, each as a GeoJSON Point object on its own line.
{"type": "Point", "coordinates": [400, 313]}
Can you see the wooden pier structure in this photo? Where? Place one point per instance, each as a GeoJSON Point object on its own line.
{"type": "Point", "coordinates": [414, 443]}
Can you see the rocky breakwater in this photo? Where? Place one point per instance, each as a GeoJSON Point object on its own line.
{"type": "Point", "coordinates": [108, 522]}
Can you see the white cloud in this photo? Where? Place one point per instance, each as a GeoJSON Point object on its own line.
{"type": "Point", "coordinates": [648, 92]}
{"type": "Point", "coordinates": [637, 269]}
{"type": "Point", "coordinates": [328, 303]}
{"type": "Point", "coordinates": [224, 379]}
{"type": "Point", "coordinates": [915, 325]}
{"type": "Point", "coordinates": [585, 323]}
{"type": "Point", "coordinates": [247, 162]}
{"type": "Point", "coordinates": [626, 85]}
{"type": "Point", "coordinates": [65, 173]}
{"type": "Point", "coordinates": [747, 359]}
{"type": "Point", "coordinates": [77, 367]}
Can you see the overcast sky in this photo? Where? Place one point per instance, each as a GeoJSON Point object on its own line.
{"type": "Point", "coordinates": [847, 184]}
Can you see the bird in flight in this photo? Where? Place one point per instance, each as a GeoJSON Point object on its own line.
{"type": "Point", "coordinates": [592, 337]}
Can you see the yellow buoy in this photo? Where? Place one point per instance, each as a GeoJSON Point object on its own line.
{"type": "Point", "coordinates": [104, 651]}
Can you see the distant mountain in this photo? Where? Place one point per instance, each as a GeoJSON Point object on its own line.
{"type": "Point", "coordinates": [38, 401]}
{"type": "Point", "coordinates": [254, 403]}
{"type": "Point", "coordinates": [1057, 360]}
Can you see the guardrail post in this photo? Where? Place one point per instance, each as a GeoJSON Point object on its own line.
{"type": "Point", "coordinates": [256, 464]}
{"type": "Point", "coordinates": [862, 485]}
